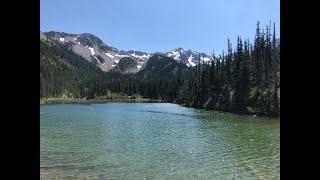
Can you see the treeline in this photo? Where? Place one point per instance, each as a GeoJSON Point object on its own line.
{"type": "Point", "coordinates": [244, 80]}
{"type": "Point", "coordinates": [160, 79]}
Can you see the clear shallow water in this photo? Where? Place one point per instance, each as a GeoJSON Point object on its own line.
{"type": "Point", "coordinates": [155, 141]}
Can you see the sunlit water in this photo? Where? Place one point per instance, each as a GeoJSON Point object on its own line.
{"type": "Point", "coordinates": [155, 141]}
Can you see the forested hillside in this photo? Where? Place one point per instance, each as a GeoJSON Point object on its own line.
{"type": "Point", "coordinates": [244, 80]}
{"type": "Point", "coordinates": [64, 73]}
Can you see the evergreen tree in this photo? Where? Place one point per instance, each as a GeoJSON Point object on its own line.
{"type": "Point", "coordinates": [244, 80]}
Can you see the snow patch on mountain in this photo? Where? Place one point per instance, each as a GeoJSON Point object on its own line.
{"type": "Point", "coordinates": [96, 58]}
{"type": "Point", "coordinates": [190, 61]}
{"type": "Point", "coordinates": [145, 56]}
{"type": "Point", "coordinates": [190, 58]}
{"type": "Point", "coordinates": [177, 57]}
{"type": "Point", "coordinates": [205, 59]}
{"type": "Point", "coordinates": [92, 50]}
{"type": "Point", "coordinates": [109, 55]}
{"type": "Point", "coordinates": [173, 53]}
{"type": "Point", "coordinates": [136, 56]}
{"type": "Point", "coordinates": [121, 55]}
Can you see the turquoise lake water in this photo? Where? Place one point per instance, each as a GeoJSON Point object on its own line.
{"type": "Point", "coordinates": [155, 141]}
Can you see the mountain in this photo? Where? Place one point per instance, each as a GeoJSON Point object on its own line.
{"type": "Point", "coordinates": [94, 50]}
{"type": "Point", "coordinates": [65, 73]}
{"type": "Point", "coordinates": [127, 65]}
{"type": "Point", "coordinates": [106, 57]}
{"type": "Point", "coordinates": [71, 65]}
{"type": "Point", "coordinates": [160, 66]}
{"type": "Point", "coordinates": [188, 57]}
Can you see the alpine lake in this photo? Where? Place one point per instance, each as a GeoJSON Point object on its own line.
{"type": "Point", "coordinates": [155, 141]}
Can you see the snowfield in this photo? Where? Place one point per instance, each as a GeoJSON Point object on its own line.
{"type": "Point", "coordinates": [92, 50]}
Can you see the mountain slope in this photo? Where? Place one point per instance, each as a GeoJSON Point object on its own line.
{"type": "Point", "coordinates": [188, 57]}
{"type": "Point", "coordinates": [161, 67]}
{"type": "Point", "coordinates": [106, 57]}
{"type": "Point", "coordinates": [65, 73]}
{"type": "Point", "coordinates": [127, 65]}
{"type": "Point", "coordinates": [94, 50]}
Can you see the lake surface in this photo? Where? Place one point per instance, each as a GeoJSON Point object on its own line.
{"type": "Point", "coordinates": [155, 141]}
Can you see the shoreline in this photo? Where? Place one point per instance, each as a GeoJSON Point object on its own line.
{"type": "Point", "coordinates": [53, 101]}
{"type": "Point", "coordinates": [48, 101]}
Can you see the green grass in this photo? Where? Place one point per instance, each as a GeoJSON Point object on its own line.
{"type": "Point", "coordinates": [114, 97]}
{"type": "Point", "coordinates": [61, 100]}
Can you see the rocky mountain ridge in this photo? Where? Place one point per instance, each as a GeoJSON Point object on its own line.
{"type": "Point", "coordinates": [107, 58]}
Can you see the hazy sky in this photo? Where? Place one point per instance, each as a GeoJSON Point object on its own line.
{"type": "Point", "coordinates": [160, 25]}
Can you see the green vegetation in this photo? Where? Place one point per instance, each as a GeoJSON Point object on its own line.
{"type": "Point", "coordinates": [126, 65]}
{"type": "Point", "coordinates": [114, 97]}
{"type": "Point", "coordinates": [62, 101]}
{"type": "Point", "coordinates": [244, 81]}
{"type": "Point", "coordinates": [64, 73]}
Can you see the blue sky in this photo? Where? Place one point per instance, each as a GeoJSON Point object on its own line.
{"type": "Point", "coordinates": [160, 25]}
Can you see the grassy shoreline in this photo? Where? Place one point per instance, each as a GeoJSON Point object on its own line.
{"type": "Point", "coordinates": [96, 100]}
